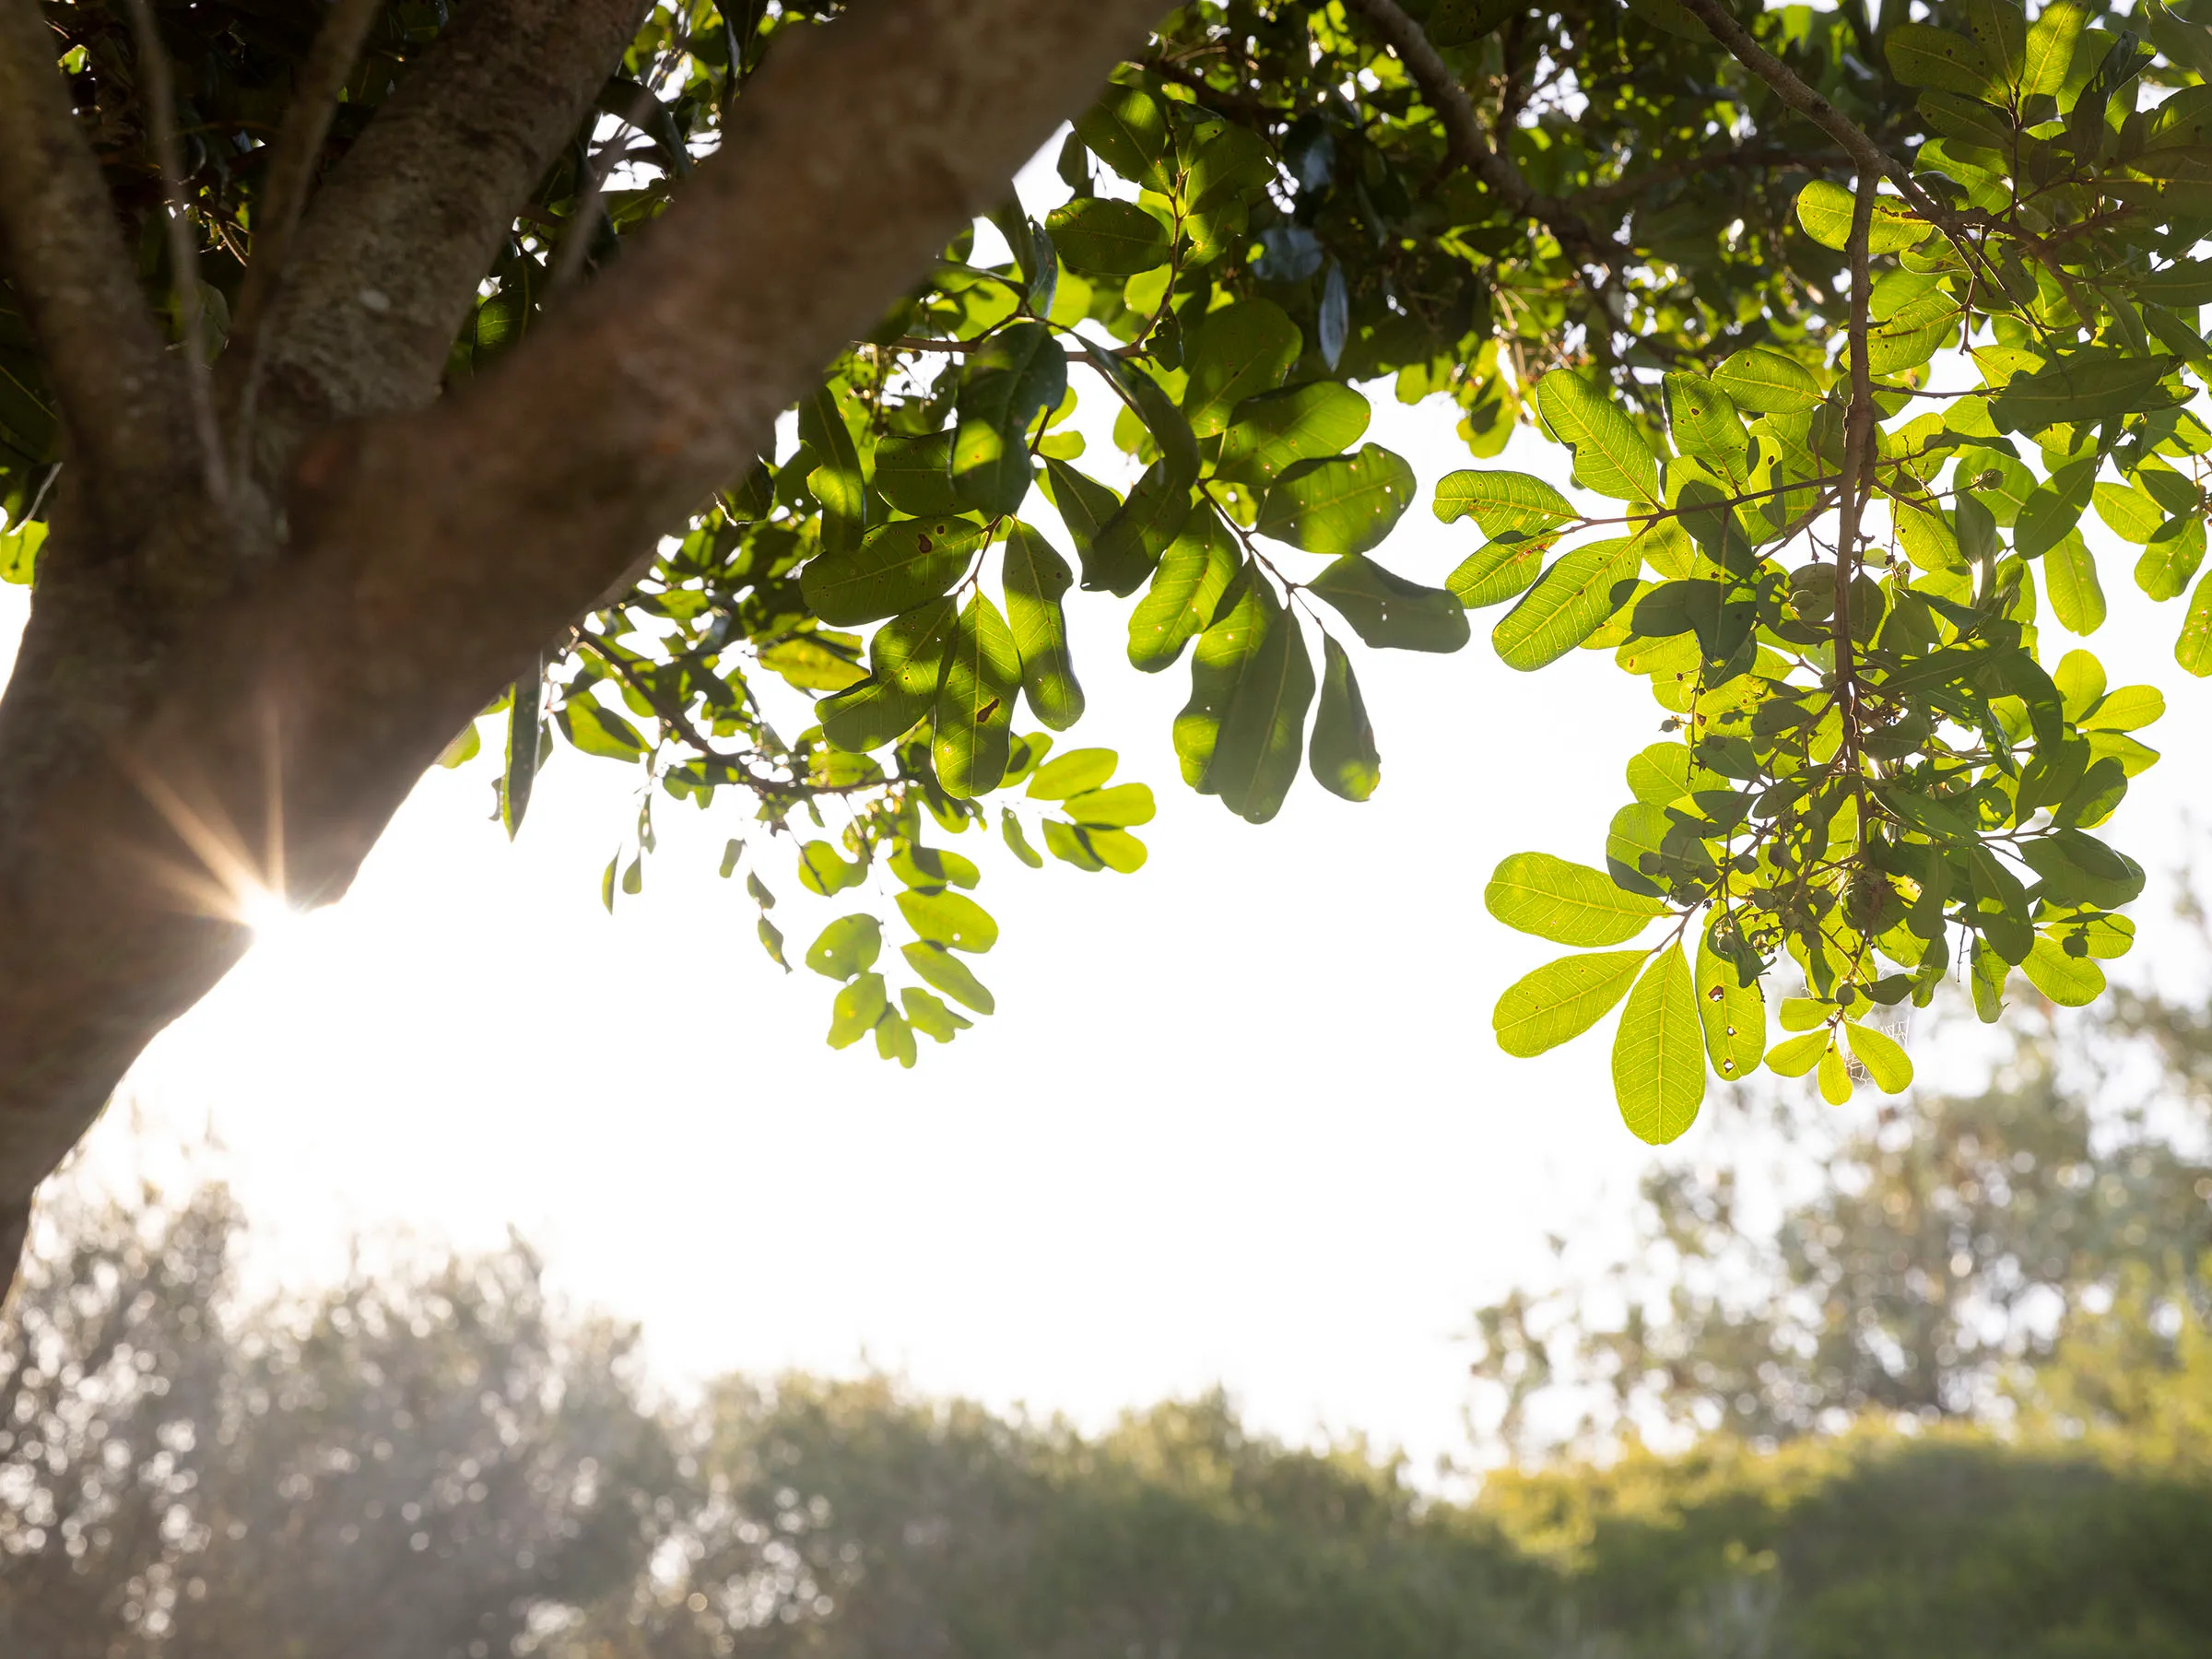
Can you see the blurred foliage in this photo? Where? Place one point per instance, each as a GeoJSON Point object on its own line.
{"type": "Point", "coordinates": [427, 1461]}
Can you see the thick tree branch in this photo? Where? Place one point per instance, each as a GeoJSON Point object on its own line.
{"type": "Point", "coordinates": [434, 553]}
{"type": "Point", "coordinates": [1471, 147]}
{"type": "Point", "coordinates": [183, 241]}
{"type": "Point", "coordinates": [384, 266]}
{"type": "Point", "coordinates": [71, 274]}
{"type": "Point", "coordinates": [291, 175]}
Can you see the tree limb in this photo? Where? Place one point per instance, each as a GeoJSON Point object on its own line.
{"type": "Point", "coordinates": [183, 246]}
{"type": "Point", "coordinates": [72, 275]}
{"type": "Point", "coordinates": [432, 554]}
{"type": "Point", "coordinates": [299, 147]}
{"type": "Point", "coordinates": [384, 266]}
{"type": "Point", "coordinates": [1471, 147]}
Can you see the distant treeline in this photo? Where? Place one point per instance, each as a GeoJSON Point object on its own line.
{"type": "Point", "coordinates": [435, 1465]}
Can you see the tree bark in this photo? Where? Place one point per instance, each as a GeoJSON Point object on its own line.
{"type": "Point", "coordinates": [428, 555]}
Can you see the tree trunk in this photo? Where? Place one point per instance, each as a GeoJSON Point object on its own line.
{"type": "Point", "coordinates": [210, 699]}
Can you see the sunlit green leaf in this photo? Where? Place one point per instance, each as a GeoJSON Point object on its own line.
{"type": "Point", "coordinates": [1610, 456]}
{"type": "Point", "coordinates": [1345, 504]}
{"type": "Point", "coordinates": [896, 566]}
{"type": "Point", "coordinates": [1036, 577]}
{"type": "Point", "coordinates": [1567, 903]}
{"type": "Point", "coordinates": [1659, 1052]}
{"type": "Point", "coordinates": [846, 946]}
{"type": "Point", "coordinates": [1563, 999]}
{"type": "Point", "coordinates": [1568, 603]}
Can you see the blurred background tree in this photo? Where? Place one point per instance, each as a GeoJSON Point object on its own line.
{"type": "Point", "coordinates": [1947, 1388]}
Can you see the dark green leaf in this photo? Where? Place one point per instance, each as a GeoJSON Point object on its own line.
{"type": "Point", "coordinates": [1387, 611]}
{"type": "Point", "coordinates": [975, 703]}
{"type": "Point", "coordinates": [896, 566]}
{"type": "Point", "coordinates": [1342, 753]}
{"type": "Point", "coordinates": [1346, 504]}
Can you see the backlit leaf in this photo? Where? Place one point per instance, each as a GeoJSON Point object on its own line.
{"type": "Point", "coordinates": [1342, 753]}
{"type": "Point", "coordinates": [1344, 504]}
{"type": "Point", "coordinates": [1567, 903]}
{"type": "Point", "coordinates": [1563, 999]}
{"type": "Point", "coordinates": [1388, 612]}
{"type": "Point", "coordinates": [1659, 1052]}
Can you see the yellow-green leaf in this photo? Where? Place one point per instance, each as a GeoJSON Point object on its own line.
{"type": "Point", "coordinates": [1659, 1052]}
{"type": "Point", "coordinates": [1562, 999]}
{"type": "Point", "coordinates": [1567, 903]}
{"type": "Point", "coordinates": [1883, 1056]}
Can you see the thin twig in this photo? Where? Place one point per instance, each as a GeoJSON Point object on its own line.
{"type": "Point", "coordinates": [184, 258]}
{"type": "Point", "coordinates": [1472, 146]}
{"type": "Point", "coordinates": [291, 173]}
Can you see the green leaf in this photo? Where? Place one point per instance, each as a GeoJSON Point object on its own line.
{"type": "Point", "coordinates": [1107, 238]}
{"type": "Point", "coordinates": [896, 568]}
{"type": "Point", "coordinates": [2128, 513]}
{"type": "Point", "coordinates": [1922, 56]}
{"type": "Point", "coordinates": [907, 659]}
{"type": "Point", "coordinates": [2079, 677]}
{"type": "Point", "coordinates": [1273, 431]}
{"type": "Point", "coordinates": [2070, 578]}
{"type": "Point", "coordinates": [520, 773]}
{"type": "Point", "coordinates": [932, 867]}
{"type": "Point", "coordinates": [2128, 709]}
{"type": "Point", "coordinates": [1236, 353]}
{"type": "Point", "coordinates": [1525, 514]}
{"type": "Point", "coordinates": [2054, 509]}
{"type": "Point", "coordinates": [1342, 753]}
{"type": "Point", "coordinates": [1264, 734]}
{"type": "Point", "coordinates": [1193, 573]}
{"type": "Point", "coordinates": [599, 731]}
{"type": "Point", "coordinates": [857, 1008]}
{"type": "Point", "coordinates": [939, 966]}
{"type": "Point", "coordinates": [1073, 773]}
{"type": "Point", "coordinates": [840, 482]}
{"type": "Point", "coordinates": [1835, 1077]}
{"type": "Point", "coordinates": [1017, 374]}
{"type": "Point", "coordinates": [952, 920]}
{"type": "Point", "coordinates": [1009, 826]}
{"type": "Point", "coordinates": [847, 947]}
{"type": "Point", "coordinates": [822, 871]}
{"type": "Point", "coordinates": [1912, 334]}
{"type": "Point", "coordinates": [1765, 382]}
{"type": "Point", "coordinates": [930, 1017]}
{"type": "Point", "coordinates": [895, 1038]}
{"type": "Point", "coordinates": [2050, 48]}
{"type": "Point", "coordinates": [2193, 650]}
{"type": "Point", "coordinates": [1705, 424]}
{"type": "Point", "coordinates": [1567, 903]}
{"type": "Point", "coordinates": [1129, 543]}
{"type": "Point", "coordinates": [975, 703]}
{"type": "Point", "coordinates": [2084, 387]}
{"type": "Point", "coordinates": [1036, 577]}
{"type": "Point", "coordinates": [2170, 561]}
{"type": "Point", "coordinates": [1610, 456]}
{"type": "Point", "coordinates": [1637, 832]}
{"type": "Point", "coordinates": [1225, 650]}
{"type": "Point", "coordinates": [1070, 845]}
{"type": "Point", "coordinates": [771, 941]}
{"type": "Point", "coordinates": [1799, 1054]}
{"type": "Point", "coordinates": [2000, 29]}
{"type": "Point", "coordinates": [1659, 775]}
{"type": "Point", "coordinates": [1563, 999]}
{"type": "Point", "coordinates": [1085, 505]}
{"type": "Point", "coordinates": [1734, 1016]}
{"type": "Point", "coordinates": [1659, 1052]}
{"type": "Point", "coordinates": [1569, 602]}
{"type": "Point", "coordinates": [805, 662]}
{"type": "Point", "coordinates": [1121, 808]}
{"type": "Point", "coordinates": [1884, 1058]}
{"type": "Point", "coordinates": [1345, 504]}
{"type": "Point", "coordinates": [1825, 210]}
{"type": "Point", "coordinates": [1128, 130]}
{"type": "Point", "coordinates": [1388, 612]}
{"type": "Point", "coordinates": [2071, 981]}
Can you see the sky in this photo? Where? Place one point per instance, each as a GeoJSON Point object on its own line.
{"type": "Point", "coordinates": [1239, 1118]}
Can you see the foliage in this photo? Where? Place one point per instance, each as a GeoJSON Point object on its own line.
{"type": "Point", "coordinates": [1601, 221]}
{"type": "Point", "coordinates": [429, 1460]}
{"type": "Point", "coordinates": [2019, 1256]}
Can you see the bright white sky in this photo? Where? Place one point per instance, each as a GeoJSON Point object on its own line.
{"type": "Point", "coordinates": [1239, 1117]}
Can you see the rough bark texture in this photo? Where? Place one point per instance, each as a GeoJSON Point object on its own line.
{"type": "Point", "coordinates": [427, 553]}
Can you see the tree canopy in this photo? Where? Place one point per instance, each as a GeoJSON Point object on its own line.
{"type": "Point", "coordinates": [394, 391]}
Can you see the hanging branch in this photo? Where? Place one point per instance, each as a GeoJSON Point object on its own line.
{"type": "Point", "coordinates": [291, 173]}
{"type": "Point", "coordinates": [184, 258]}
{"type": "Point", "coordinates": [1471, 147]}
